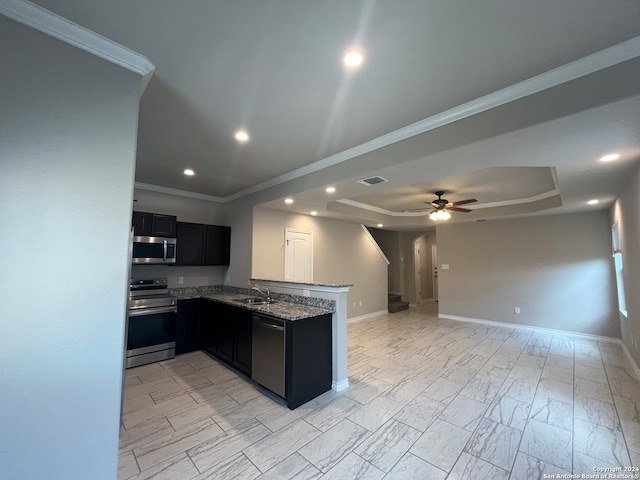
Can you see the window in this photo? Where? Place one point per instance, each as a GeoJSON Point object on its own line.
{"type": "Point", "coordinates": [617, 260]}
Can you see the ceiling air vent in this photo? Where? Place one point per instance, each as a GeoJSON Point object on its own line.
{"type": "Point", "coordinates": [372, 181]}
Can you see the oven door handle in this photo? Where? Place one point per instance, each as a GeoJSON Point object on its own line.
{"type": "Point", "coordinates": [151, 311]}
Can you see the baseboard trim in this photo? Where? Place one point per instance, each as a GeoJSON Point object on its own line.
{"type": "Point", "coordinates": [630, 358]}
{"type": "Point", "coordinates": [367, 316]}
{"type": "Point", "coordinates": [340, 386]}
{"type": "Point", "coordinates": [493, 323]}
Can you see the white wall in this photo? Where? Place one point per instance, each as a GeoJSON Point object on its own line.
{"type": "Point", "coordinates": [626, 212]}
{"type": "Point", "coordinates": [343, 253]}
{"type": "Point", "coordinates": [557, 269]}
{"type": "Point", "coordinates": [68, 125]}
{"type": "Point", "coordinates": [187, 210]}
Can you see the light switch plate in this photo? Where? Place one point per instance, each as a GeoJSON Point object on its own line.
{"type": "Point", "coordinates": [445, 266]}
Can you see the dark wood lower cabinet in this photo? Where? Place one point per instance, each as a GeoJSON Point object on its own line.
{"type": "Point", "coordinates": [308, 369]}
{"type": "Point", "coordinates": [226, 332]}
{"type": "Point", "coordinates": [242, 344]}
{"type": "Point", "coordinates": [188, 334]}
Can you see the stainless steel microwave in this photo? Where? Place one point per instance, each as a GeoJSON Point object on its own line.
{"type": "Point", "coordinates": [153, 250]}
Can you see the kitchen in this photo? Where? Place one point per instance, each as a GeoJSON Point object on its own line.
{"type": "Point", "coordinates": [283, 342]}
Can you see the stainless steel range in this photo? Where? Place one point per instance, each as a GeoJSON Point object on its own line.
{"type": "Point", "coordinates": [151, 330]}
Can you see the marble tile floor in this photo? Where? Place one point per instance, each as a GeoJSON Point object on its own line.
{"type": "Point", "coordinates": [428, 399]}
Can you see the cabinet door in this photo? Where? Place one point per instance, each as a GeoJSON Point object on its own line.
{"type": "Point", "coordinates": [188, 326]}
{"type": "Point", "coordinates": [242, 350]}
{"type": "Point", "coordinates": [218, 245]}
{"type": "Point", "coordinates": [225, 330]}
{"type": "Point", "coordinates": [308, 359]}
{"type": "Point", "coordinates": [141, 223]}
{"type": "Point", "coordinates": [208, 333]}
{"type": "Point", "coordinates": [190, 244]}
{"type": "Point", "coordinates": [163, 226]}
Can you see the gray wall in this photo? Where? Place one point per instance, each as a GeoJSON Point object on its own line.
{"type": "Point", "coordinates": [407, 267]}
{"type": "Point", "coordinates": [389, 243]}
{"type": "Point", "coordinates": [239, 216]}
{"type": "Point", "coordinates": [398, 247]}
{"type": "Point", "coordinates": [557, 269]}
{"type": "Point", "coordinates": [426, 241]}
{"type": "Point", "coordinates": [187, 210]}
{"type": "Point", "coordinates": [343, 253]}
{"type": "Point", "coordinates": [627, 213]}
{"type": "Point", "coordinates": [68, 125]}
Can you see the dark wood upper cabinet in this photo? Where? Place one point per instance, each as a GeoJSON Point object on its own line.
{"type": "Point", "coordinates": [153, 225]}
{"type": "Point", "coordinates": [190, 243]}
{"type": "Point", "coordinates": [217, 245]}
{"type": "Point", "coordinates": [141, 223]}
{"type": "Point", "coordinates": [200, 244]}
{"type": "Point", "coordinates": [164, 226]}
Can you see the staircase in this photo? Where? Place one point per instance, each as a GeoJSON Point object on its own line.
{"type": "Point", "coordinates": [396, 304]}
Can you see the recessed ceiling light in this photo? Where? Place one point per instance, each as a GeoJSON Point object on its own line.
{"type": "Point", "coordinates": [610, 158]}
{"type": "Point", "coordinates": [314, 213]}
{"type": "Point", "coordinates": [330, 189]}
{"type": "Point", "coordinates": [189, 172]}
{"type": "Point", "coordinates": [380, 225]}
{"type": "Point", "coordinates": [593, 201]}
{"type": "Point", "coordinates": [288, 201]}
{"type": "Point", "coordinates": [353, 59]}
{"type": "Point", "coordinates": [242, 136]}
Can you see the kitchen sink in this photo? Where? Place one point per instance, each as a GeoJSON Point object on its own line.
{"type": "Point", "coordinates": [255, 301]}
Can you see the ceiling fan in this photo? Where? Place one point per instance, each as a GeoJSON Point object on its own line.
{"type": "Point", "coordinates": [442, 206]}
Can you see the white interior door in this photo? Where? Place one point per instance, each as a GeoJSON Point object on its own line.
{"type": "Point", "coordinates": [417, 267]}
{"type": "Point", "coordinates": [298, 255]}
{"type": "Point", "coordinates": [434, 262]}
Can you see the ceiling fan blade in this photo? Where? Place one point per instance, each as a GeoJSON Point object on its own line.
{"type": "Point", "coordinates": [463, 202]}
{"type": "Point", "coordinates": [458, 209]}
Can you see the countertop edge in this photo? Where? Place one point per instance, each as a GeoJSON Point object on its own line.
{"type": "Point", "coordinates": [280, 308]}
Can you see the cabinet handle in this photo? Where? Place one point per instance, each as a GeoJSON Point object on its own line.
{"type": "Point", "coordinates": [270, 326]}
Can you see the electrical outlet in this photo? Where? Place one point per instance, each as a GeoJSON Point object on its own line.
{"type": "Point", "coordinates": [360, 302]}
{"type": "Point", "coordinates": [516, 310]}
{"type": "Point", "coordinates": [180, 280]}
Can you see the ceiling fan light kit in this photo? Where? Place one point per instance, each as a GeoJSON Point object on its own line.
{"type": "Point", "coordinates": [439, 215]}
{"type": "Point", "coordinates": [441, 205]}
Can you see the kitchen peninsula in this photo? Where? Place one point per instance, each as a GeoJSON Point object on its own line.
{"type": "Point", "coordinates": [326, 291]}
{"type": "Point", "coordinates": [283, 340]}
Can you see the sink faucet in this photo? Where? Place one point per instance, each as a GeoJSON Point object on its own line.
{"type": "Point", "coordinates": [267, 295]}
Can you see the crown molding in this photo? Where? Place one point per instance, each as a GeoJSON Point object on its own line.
{"type": "Point", "coordinates": [582, 67]}
{"type": "Point", "coordinates": [177, 192]}
{"type": "Point", "coordinates": [59, 27]}
{"type": "Point", "coordinates": [502, 203]}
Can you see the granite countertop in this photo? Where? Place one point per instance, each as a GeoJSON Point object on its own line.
{"type": "Point", "coordinates": [281, 308]}
{"type": "Point", "coordinates": [315, 284]}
